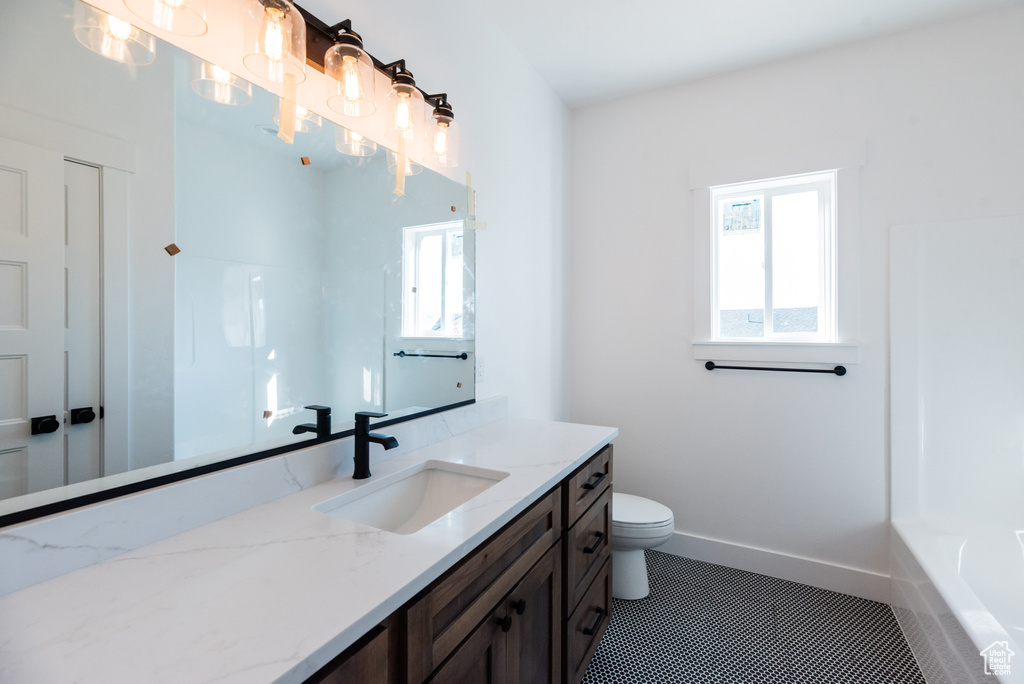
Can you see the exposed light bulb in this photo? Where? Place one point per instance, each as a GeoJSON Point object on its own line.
{"type": "Point", "coordinates": [403, 115]}
{"type": "Point", "coordinates": [441, 140]}
{"type": "Point", "coordinates": [351, 81]}
{"type": "Point", "coordinates": [163, 11]}
{"type": "Point", "coordinates": [272, 35]}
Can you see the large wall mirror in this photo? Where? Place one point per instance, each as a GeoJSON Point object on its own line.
{"type": "Point", "coordinates": [177, 284]}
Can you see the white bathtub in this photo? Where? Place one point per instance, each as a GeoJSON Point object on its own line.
{"type": "Point", "coordinates": [956, 591]}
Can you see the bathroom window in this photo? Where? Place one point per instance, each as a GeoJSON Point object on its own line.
{"type": "Point", "coordinates": [774, 260]}
{"type": "Point", "coordinates": [432, 284]}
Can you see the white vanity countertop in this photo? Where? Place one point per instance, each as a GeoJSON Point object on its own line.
{"type": "Point", "coordinates": [273, 593]}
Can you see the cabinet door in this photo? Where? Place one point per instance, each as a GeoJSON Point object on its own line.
{"type": "Point", "coordinates": [365, 662]}
{"type": "Point", "coordinates": [535, 639]}
{"type": "Point", "coordinates": [482, 658]}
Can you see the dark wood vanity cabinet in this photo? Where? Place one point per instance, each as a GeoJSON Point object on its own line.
{"type": "Point", "coordinates": [528, 606]}
{"type": "Point", "coordinates": [520, 640]}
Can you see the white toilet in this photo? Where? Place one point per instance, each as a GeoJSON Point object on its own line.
{"type": "Point", "coordinates": [637, 524]}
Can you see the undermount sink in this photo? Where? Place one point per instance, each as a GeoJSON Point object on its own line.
{"type": "Point", "coordinates": [408, 501]}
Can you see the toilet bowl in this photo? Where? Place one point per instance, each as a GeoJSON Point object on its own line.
{"type": "Point", "coordinates": [637, 524]}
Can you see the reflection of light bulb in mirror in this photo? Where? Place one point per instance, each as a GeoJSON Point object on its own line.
{"type": "Point", "coordinates": [352, 143]}
{"type": "Point", "coordinates": [221, 76]}
{"type": "Point", "coordinates": [272, 35]}
{"type": "Point", "coordinates": [351, 81]}
{"type": "Point", "coordinates": [218, 84]}
{"type": "Point", "coordinates": [116, 33]}
{"type": "Point", "coordinates": [222, 85]}
{"type": "Point", "coordinates": [118, 29]}
{"type": "Point", "coordinates": [112, 37]}
{"type": "Point", "coordinates": [306, 120]}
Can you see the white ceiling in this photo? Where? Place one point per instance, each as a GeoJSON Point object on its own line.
{"type": "Point", "coordinates": [595, 50]}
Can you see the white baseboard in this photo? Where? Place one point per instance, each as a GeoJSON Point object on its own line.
{"type": "Point", "coordinates": [846, 580]}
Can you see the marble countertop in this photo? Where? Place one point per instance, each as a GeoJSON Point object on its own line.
{"type": "Point", "coordinates": [271, 594]}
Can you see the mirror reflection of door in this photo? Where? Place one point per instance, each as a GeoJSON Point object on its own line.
{"type": "Point", "coordinates": [49, 319]}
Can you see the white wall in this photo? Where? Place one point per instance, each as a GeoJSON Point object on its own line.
{"type": "Point", "coordinates": [788, 464]}
{"type": "Point", "coordinates": [515, 144]}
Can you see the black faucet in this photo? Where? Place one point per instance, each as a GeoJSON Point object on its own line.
{"type": "Point", "coordinates": [363, 438]}
{"type": "Point", "coordinates": [323, 422]}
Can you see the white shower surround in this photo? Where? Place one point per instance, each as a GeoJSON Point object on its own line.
{"type": "Point", "coordinates": [957, 548]}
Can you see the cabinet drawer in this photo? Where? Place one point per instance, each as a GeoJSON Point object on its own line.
{"type": "Point", "coordinates": [588, 545]}
{"type": "Point", "coordinates": [587, 624]}
{"type": "Point", "coordinates": [587, 484]}
{"type": "Point", "coordinates": [449, 611]}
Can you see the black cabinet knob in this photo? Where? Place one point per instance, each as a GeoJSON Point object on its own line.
{"type": "Point", "coordinates": [82, 415]}
{"type": "Point", "coordinates": [42, 425]}
{"type": "Point", "coordinates": [519, 606]}
{"type": "Point", "coordinates": [505, 622]}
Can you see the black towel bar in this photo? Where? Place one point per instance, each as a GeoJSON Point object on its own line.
{"type": "Point", "coordinates": [838, 370]}
{"type": "Point", "coordinates": [463, 355]}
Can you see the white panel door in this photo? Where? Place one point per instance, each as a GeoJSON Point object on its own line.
{"type": "Point", "coordinates": [31, 317]}
{"type": "Point", "coordinates": [82, 352]}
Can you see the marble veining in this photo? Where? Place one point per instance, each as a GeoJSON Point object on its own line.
{"type": "Point", "coordinates": [272, 593]}
{"type": "Point", "coordinates": [43, 549]}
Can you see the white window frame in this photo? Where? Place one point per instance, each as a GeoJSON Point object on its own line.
{"type": "Point", "coordinates": [846, 156]}
{"type": "Point", "coordinates": [410, 277]}
{"type": "Point", "coordinates": [824, 184]}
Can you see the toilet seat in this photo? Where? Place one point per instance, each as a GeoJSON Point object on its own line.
{"type": "Point", "coordinates": [663, 530]}
{"type": "Point", "coordinates": [630, 512]}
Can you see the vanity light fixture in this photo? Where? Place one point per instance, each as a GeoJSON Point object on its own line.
{"type": "Point", "coordinates": [350, 74]}
{"type": "Point", "coordinates": [112, 37]}
{"type": "Point", "coordinates": [407, 108]}
{"type": "Point", "coordinates": [275, 36]}
{"type": "Point", "coordinates": [306, 121]}
{"type": "Point", "coordinates": [219, 85]}
{"type": "Point", "coordinates": [353, 144]}
{"type": "Point", "coordinates": [406, 105]}
{"type": "Point", "coordinates": [181, 17]}
{"type": "Point", "coordinates": [444, 134]}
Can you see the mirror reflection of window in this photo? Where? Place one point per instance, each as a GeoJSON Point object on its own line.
{"type": "Point", "coordinates": [432, 299]}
